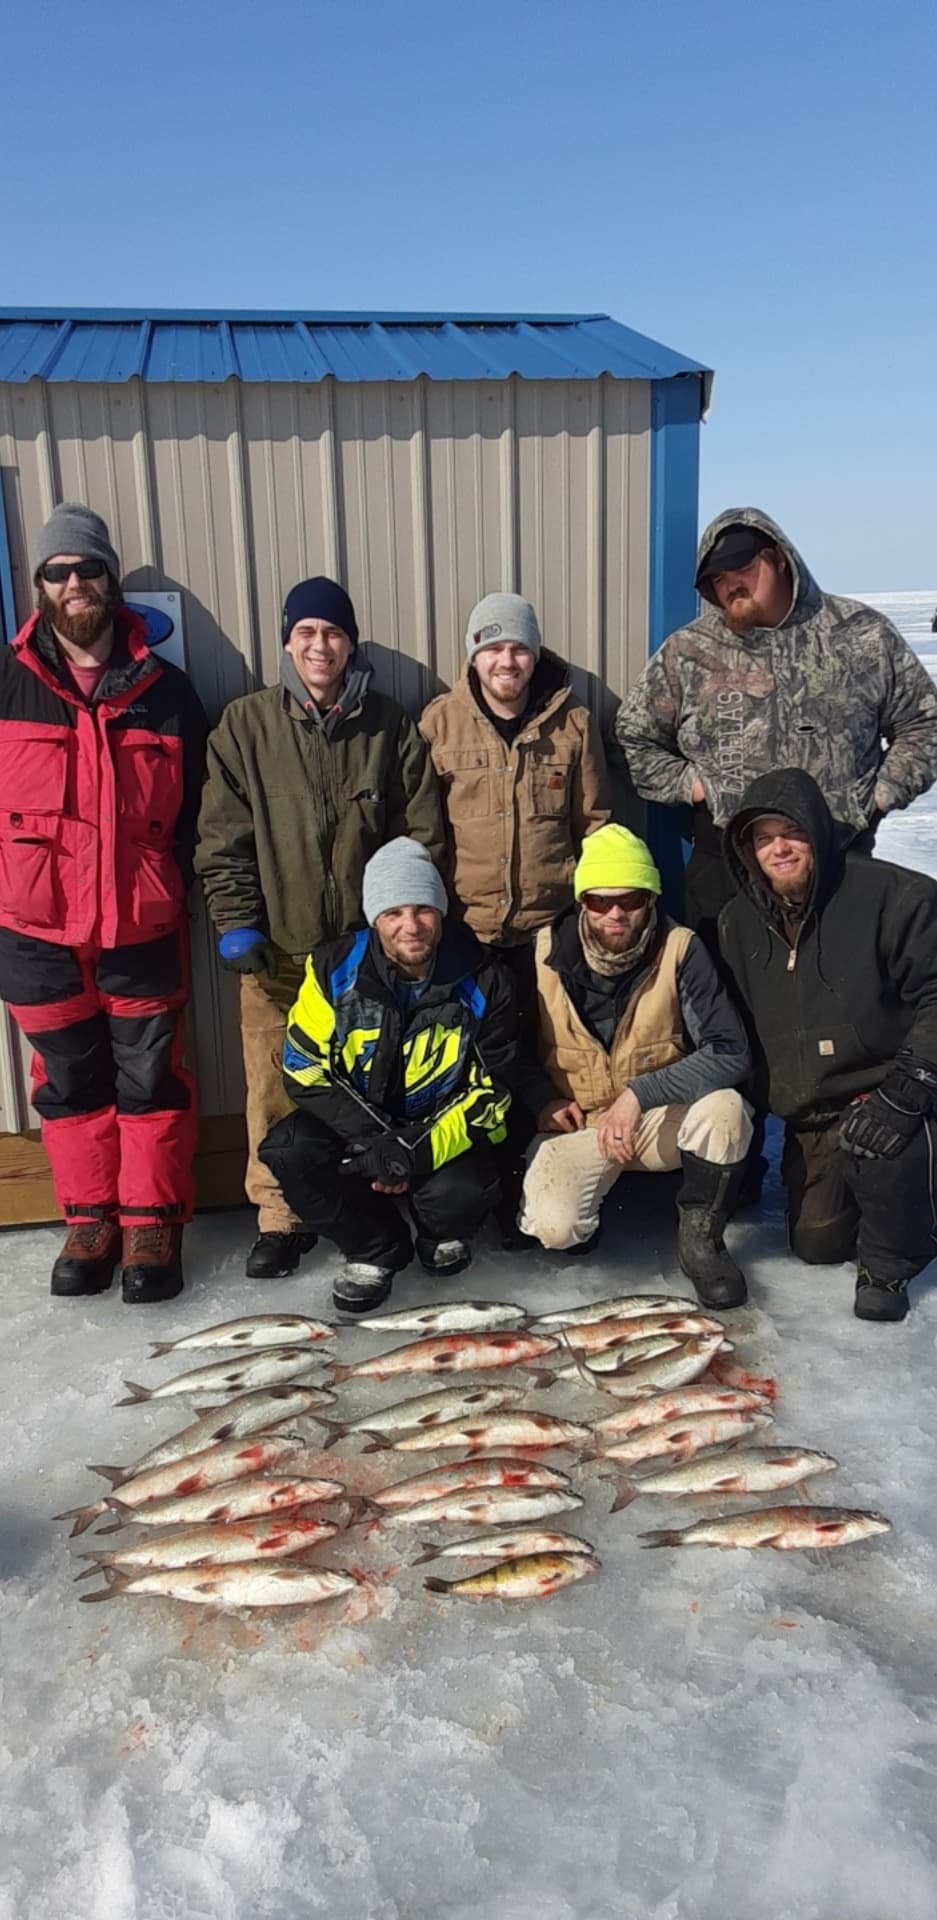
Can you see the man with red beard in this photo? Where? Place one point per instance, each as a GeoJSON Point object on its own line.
{"type": "Point", "coordinates": [102, 749]}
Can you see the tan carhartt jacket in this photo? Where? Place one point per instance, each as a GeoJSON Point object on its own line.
{"type": "Point", "coordinates": [517, 815]}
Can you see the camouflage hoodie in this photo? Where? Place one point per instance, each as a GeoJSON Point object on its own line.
{"type": "Point", "coordinates": [821, 691]}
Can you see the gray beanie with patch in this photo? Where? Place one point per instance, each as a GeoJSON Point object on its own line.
{"type": "Point", "coordinates": [401, 874]}
{"type": "Point", "coordinates": [502, 619]}
{"type": "Point", "coordinates": [72, 528]}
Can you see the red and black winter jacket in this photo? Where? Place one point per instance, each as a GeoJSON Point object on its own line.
{"type": "Point", "coordinates": [98, 800]}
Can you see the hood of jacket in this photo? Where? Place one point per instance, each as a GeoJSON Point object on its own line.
{"type": "Point", "coordinates": [352, 692]}
{"type": "Point", "coordinates": [795, 794]}
{"type": "Point", "coordinates": [806, 593]}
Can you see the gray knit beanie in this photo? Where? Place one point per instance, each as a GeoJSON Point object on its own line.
{"type": "Point", "coordinates": [72, 528]}
{"type": "Point", "coordinates": [401, 874]}
{"type": "Point", "coordinates": [502, 618]}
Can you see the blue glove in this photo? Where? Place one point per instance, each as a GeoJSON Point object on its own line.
{"type": "Point", "coordinates": [247, 950]}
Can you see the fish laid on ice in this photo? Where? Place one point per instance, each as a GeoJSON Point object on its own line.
{"type": "Point", "coordinates": [450, 1353]}
{"type": "Point", "coordinates": [532, 1578]}
{"type": "Point", "coordinates": [682, 1439]}
{"type": "Point", "coordinates": [497, 1430]}
{"type": "Point", "coordinates": [246, 1585]}
{"type": "Point", "coordinates": [622, 1306]}
{"type": "Point", "coordinates": [680, 1401]}
{"type": "Point", "coordinates": [486, 1470]}
{"type": "Point", "coordinates": [674, 1369]}
{"type": "Point", "coordinates": [506, 1544]}
{"type": "Point", "coordinates": [783, 1528]}
{"type": "Point", "coordinates": [264, 1369]}
{"type": "Point", "coordinates": [237, 1501]}
{"type": "Point", "coordinates": [616, 1359]}
{"type": "Point", "coordinates": [595, 1336]}
{"type": "Point", "coordinates": [252, 1413]}
{"type": "Point", "coordinates": [217, 1466]}
{"type": "Point", "coordinates": [258, 1330]}
{"type": "Point", "coordinates": [263, 1539]}
{"type": "Point", "coordinates": [453, 1316]}
{"type": "Point", "coordinates": [746, 1470]}
{"type": "Point", "coordinates": [491, 1506]}
{"type": "Point", "coordinates": [727, 1373]}
{"type": "Point", "coordinates": [427, 1410]}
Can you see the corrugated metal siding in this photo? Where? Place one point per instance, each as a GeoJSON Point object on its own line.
{"type": "Point", "coordinates": [421, 496]}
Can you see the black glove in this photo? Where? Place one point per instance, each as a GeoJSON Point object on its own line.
{"type": "Point", "coordinates": [246, 950]}
{"type": "Point", "coordinates": [880, 1127]}
{"type": "Point", "coordinates": [388, 1159]}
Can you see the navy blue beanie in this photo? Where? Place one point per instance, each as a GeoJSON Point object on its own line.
{"type": "Point", "coordinates": [319, 599]}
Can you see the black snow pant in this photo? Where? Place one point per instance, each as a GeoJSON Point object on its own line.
{"type": "Point", "coordinates": [879, 1212]}
{"type": "Point", "coordinates": [450, 1204]}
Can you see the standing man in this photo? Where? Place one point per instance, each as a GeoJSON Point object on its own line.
{"type": "Point", "coordinates": [305, 781]}
{"type": "Point", "coordinates": [102, 751]}
{"type": "Point", "coordinates": [834, 956]}
{"type": "Point", "coordinates": [522, 770]}
{"type": "Point", "coordinates": [641, 1053]}
{"type": "Point", "coordinates": [775, 673]}
{"type": "Point", "coordinates": [396, 1060]}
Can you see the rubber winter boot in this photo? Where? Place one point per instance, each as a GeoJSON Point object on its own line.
{"type": "Point", "coordinates": [880, 1299]}
{"type": "Point", "coordinates": [443, 1258]}
{"type": "Point", "coordinates": [361, 1285]}
{"type": "Point", "coordinates": [274, 1255]}
{"type": "Point", "coordinates": [152, 1264]}
{"type": "Point", "coordinates": [88, 1258]}
{"type": "Point", "coordinates": [704, 1205]}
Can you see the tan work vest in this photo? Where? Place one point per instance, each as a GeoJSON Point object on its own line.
{"type": "Point", "coordinates": [649, 1034]}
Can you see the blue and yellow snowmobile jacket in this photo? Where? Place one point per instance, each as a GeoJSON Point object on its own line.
{"type": "Point", "coordinates": [437, 1076]}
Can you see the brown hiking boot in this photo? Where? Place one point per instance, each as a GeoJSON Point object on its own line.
{"type": "Point", "coordinates": [87, 1260]}
{"type": "Point", "coordinates": [152, 1263]}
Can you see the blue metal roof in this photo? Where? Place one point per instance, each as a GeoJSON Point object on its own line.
{"type": "Point", "coordinates": [104, 346]}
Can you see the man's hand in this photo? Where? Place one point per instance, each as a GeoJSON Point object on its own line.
{"type": "Point", "coordinates": [386, 1161]}
{"type": "Point", "coordinates": [881, 1125]}
{"type": "Point", "coordinates": [881, 804]}
{"type": "Point", "coordinates": [697, 792]}
{"type": "Point", "coordinates": [616, 1134]}
{"type": "Point", "coordinates": [247, 950]}
{"type": "Point", "coordinates": [561, 1116]}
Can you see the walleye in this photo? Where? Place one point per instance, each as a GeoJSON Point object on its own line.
{"type": "Point", "coordinates": [258, 1330]}
{"type": "Point", "coordinates": [507, 1544]}
{"type": "Point", "coordinates": [450, 1353]}
{"type": "Point", "coordinates": [215, 1467]}
{"type": "Point", "coordinates": [748, 1470]}
{"type": "Point", "coordinates": [252, 1413]}
{"type": "Point", "coordinates": [455, 1316]}
{"type": "Point", "coordinates": [531, 1578]}
{"type": "Point", "coordinates": [783, 1528]}
{"type": "Point", "coordinates": [493, 1505]}
{"type": "Point", "coordinates": [263, 1539]}
{"type": "Point", "coordinates": [681, 1401]}
{"type": "Point", "coordinates": [622, 1306]}
{"type": "Point", "coordinates": [681, 1439]}
{"type": "Point", "coordinates": [426, 1410]}
{"type": "Point", "coordinates": [498, 1430]}
{"type": "Point", "coordinates": [263, 1369]}
{"type": "Point", "coordinates": [594, 1336]}
{"type": "Point", "coordinates": [485, 1471]}
{"type": "Point", "coordinates": [240, 1501]}
{"type": "Point", "coordinates": [247, 1585]}
{"type": "Point", "coordinates": [619, 1358]}
{"type": "Point", "coordinates": [674, 1369]}
{"type": "Point", "coordinates": [726, 1373]}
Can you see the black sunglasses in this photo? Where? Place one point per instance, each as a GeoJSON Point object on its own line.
{"type": "Point", "coordinates": [56, 572]}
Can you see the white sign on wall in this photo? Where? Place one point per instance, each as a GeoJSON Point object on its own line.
{"type": "Point", "coordinates": [165, 631]}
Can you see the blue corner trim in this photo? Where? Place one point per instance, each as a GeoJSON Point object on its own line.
{"type": "Point", "coordinates": [675, 426]}
{"type": "Point", "coordinates": [7, 603]}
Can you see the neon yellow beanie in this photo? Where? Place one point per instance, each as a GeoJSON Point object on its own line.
{"type": "Point", "coordinates": [613, 857]}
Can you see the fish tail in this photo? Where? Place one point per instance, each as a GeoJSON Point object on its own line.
{"type": "Point", "coordinates": [545, 1378]}
{"type": "Point", "coordinates": [134, 1398]}
{"type": "Point", "coordinates": [82, 1516]}
{"type": "Point", "coordinates": [377, 1444]}
{"type": "Point", "coordinates": [430, 1552]}
{"type": "Point", "coordinates": [582, 1370]}
{"type": "Point", "coordinates": [335, 1374]}
{"type": "Point", "coordinates": [431, 1585]}
{"type": "Point", "coordinates": [109, 1592]}
{"type": "Point", "coordinates": [336, 1430]}
{"type": "Point", "coordinates": [664, 1537]}
{"type": "Point", "coordinates": [114, 1474]}
{"type": "Point", "coordinates": [364, 1508]}
{"type": "Point", "coordinates": [88, 1573]}
{"type": "Point", "coordinates": [627, 1492]}
{"type": "Point", "coordinates": [159, 1347]}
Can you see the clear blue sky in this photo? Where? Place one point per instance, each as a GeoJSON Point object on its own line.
{"type": "Point", "coordinates": [754, 185]}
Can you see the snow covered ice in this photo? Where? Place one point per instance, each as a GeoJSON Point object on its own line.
{"type": "Point", "coordinates": [688, 1736]}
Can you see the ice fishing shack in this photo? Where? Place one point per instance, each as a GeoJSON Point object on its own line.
{"type": "Point", "coordinates": [422, 459]}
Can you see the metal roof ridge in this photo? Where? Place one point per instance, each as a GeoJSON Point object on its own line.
{"type": "Point", "coordinates": [274, 316]}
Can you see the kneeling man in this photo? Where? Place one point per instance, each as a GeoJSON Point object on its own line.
{"type": "Point", "coordinates": [397, 1055]}
{"type": "Point", "coordinates": [835, 957]}
{"type": "Point", "coordinates": [641, 1055]}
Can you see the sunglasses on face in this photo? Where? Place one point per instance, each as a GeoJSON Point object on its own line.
{"type": "Point", "coordinates": [56, 572]}
{"type": "Point", "coordinates": [602, 903]}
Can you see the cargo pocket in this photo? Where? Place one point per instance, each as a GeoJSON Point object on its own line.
{"type": "Point", "coordinates": [549, 788]}
{"type": "Point", "coordinates": [30, 880]}
{"type": "Point", "coordinates": [466, 778]}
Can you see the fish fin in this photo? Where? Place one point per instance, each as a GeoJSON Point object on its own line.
{"type": "Point", "coordinates": [109, 1592]}
{"type": "Point", "coordinates": [626, 1493]}
{"type": "Point", "coordinates": [545, 1378]}
{"type": "Point", "coordinates": [114, 1474]}
{"type": "Point", "coordinates": [582, 1370]}
{"type": "Point", "coordinates": [431, 1551]}
{"type": "Point", "coordinates": [336, 1430]}
{"type": "Point", "coordinates": [363, 1508]}
{"type": "Point", "coordinates": [135, 1398]}
{"type": "Point", "coordinates": [432, 1586]}
{"type": "Point", "coordinates": [88, 1573]}
{"type": "Point", "coordinates": [115, 1527]}
{"type": "Point", "coordinates": [159, 1347]}
{"type": "Point", "coordinates": [664, 1537]}
{"type": "Point", "coordinates": [83, 1516]}
{"type": "Point", "coordinates": [377, 1444]}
